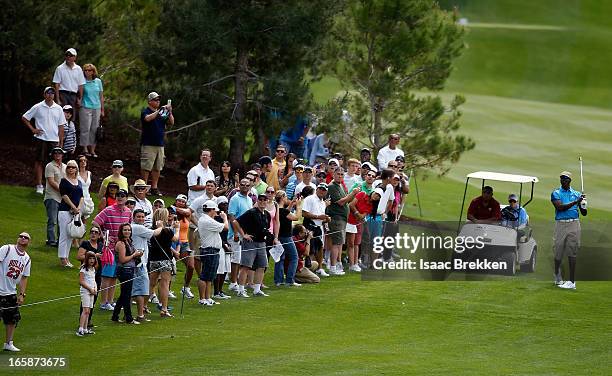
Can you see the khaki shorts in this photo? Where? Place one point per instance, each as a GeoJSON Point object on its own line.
{"type": "Point", "coordinates": [152, 158]}
{"type": "Point", "coordinates": [566, 239]}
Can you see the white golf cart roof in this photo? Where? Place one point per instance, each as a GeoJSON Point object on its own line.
{"type": "Point", "coordinates": [498, 176]}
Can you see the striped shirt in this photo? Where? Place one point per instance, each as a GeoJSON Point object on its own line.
{"type": "Point", "coordinates": [110, 219]}
{"type": "Point", "coordinates": [69, 137]}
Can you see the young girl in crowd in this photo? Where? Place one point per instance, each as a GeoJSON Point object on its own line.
{"type": "Point", "coordinates": [87, 279]}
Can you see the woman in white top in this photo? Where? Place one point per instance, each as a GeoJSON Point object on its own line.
{"type": "Point", "coordinates": [84, 176]}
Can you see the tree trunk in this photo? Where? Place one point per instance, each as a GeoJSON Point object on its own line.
{"type": "Point", "coordinates": [237, 142]}
{"type": "Point", "coordinates": [377, 109]}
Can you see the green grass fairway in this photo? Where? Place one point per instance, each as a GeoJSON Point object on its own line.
{"type": "Point", "coordinates": [343, 326]}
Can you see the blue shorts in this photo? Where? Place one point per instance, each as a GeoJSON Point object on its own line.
{"type": "Point", "coordinates": [210, 262]}
{"type": "Point", "coordinates": [109, 270]}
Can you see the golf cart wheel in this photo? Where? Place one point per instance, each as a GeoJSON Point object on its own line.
{"type": "Point", "coordinates": [510, 259]}
{"type": "Point", "coordinates": [529, 267]}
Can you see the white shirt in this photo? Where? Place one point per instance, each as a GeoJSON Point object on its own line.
{"type": "Point", "coordinates": [349, 181]}
{"type": "Point", "coordinates": [315, 206]}
{"type": "Point", "coordinates": [386, 155]}
{"type": "Point", "coordinates": [140, 240]}
{"type": "Point", "coordinates": [198, 176]}
{"type": "Point", "coordinates": [13, 265]}
{"type": "Point", "coordinates": [146, 206]}
{"type": "Point", "coordinates": [386, 197]}
{"type": "Point", "coordinates": [209, 231]}
{"type": "Point", "coordinates": [299, 187]}
{"type": "Point", "coordinates": [69, 78]}
{"type": "Point", "coordinates": [85, 184]}
{"type": "Point", "coordinates": [90, 278]}
{"type": "Point", "coordinates": [196, 205]}
{"type": "Point", "coordinates": [48, 119]}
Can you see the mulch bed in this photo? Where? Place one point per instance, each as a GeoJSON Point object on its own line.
{"type": "Point", "coordinates": [17, 150]}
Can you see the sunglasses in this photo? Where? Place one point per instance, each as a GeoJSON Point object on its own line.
{"type": "Point", "coordinates": [299, 170]}
{"type": "Point", "coordinates": [121, 195]}
{"type": "Point", "coordinates": [392, 165]}
{"type": "Point", "coordinates": [269, 191]}
{"type": "Point", "coordinates": [371, 175]}
{"type": "Point", "coordinates": [117, 166]}
{"type": "Point", "coordinates": [94, 232]}
{"type": "Point", "coordinates": [156, 100]}
{"type": "Point", "coordinates": [244, 185]}
{"type": "Point", "coordinates": [262, 199]}
{"type": "Point", "coordinates": [23, 237]}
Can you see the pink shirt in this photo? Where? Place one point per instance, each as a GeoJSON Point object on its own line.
{"type": "Point", "coordinates": [110, 219]}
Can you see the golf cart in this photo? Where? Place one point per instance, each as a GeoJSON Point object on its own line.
{"type": "Point", "coordinates": [514, 245]}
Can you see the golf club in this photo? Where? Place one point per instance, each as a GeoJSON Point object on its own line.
{"type": "Point", "coordinates": [583, 203]}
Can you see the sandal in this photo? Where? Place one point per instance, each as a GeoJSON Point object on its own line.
{"type": "Point", "coordinates": [165, 314]}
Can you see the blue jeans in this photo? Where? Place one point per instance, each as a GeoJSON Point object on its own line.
{"type": "Point", "coordinates": [292, 257]}
{"type": "Point", "coordinates": [52, 207]}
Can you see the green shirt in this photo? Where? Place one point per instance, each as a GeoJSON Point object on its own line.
{"type": "Point", "coordinates": [261, 187]}
{"type": "Point", "coordinates": [364, 187]}
{"type": "Point", "coordinates": [336, 192]}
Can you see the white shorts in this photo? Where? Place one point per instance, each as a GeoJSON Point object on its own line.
{"type": "Point", "coordinates": [225, 265]}
{"type": "Point", "coordinates": [87, 299]}
{"type": "Point", "coordinates": [351, 229]}
{"type": "Point", "coordinates": [236, 251]}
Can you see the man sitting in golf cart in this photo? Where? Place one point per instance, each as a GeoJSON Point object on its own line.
{"type": "Point", "coordinates": [484, 208]}
{"type": "Point", "coordinates": [514, 215]}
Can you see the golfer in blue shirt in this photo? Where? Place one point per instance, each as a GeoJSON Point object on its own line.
{"type": "Point", "coordinates": [569, 204]}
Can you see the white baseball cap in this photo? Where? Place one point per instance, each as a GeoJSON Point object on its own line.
{"type": "Point", "coordinates": [71, 51]}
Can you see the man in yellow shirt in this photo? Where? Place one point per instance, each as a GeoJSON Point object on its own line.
{"type": "Point", "coordinates": [274, 177]}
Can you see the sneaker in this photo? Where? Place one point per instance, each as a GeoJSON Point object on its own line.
{"type": "Point", "coordinates": [260, 293]}
{"type": "Point", "coordinates": [242, 294]}
{"type": "Point", "coordinates": [113, 304]}
{"type": "Point", "coordinates": [339, 267]}
{"type": "Point", "coordinates": [355, 268]}
{"type": "Point", "coordinates": [333, 271]}
{"type": "Point", "coordinates": [134, 302]}
{"type": "Point", "coordinates": [322, 273]}
{"type": "Point", "coordinates": [78, 333]}
{"type": "Point", "coordinates": [217, 296]}
{"type": "Point", "coordinates": [568, 285]}
{"type": "Point", "coordinates": [89, 331]}
{"type": "Point", "coordinates": [171, 295]}
{"type": "Point", "coordinates": [205, 303]}
{"type": "Point", "coordinates": [153, 299]}
{"type": "Point", "coordinates": [142, 319]}
{"type": "Point", "coordinates": [233, 287]}
{"type": "Point", "coordinates": [224, 295]}
{"type": "Point", "coordinates": [134, 322]}
{"type": "Point", "coordinates": [212, 302]}
{"type": "Point", "coordinates": [280, 284]}
{"type": "Point", "coordinates": [68, 266]}
{"type": "Point", "coordinates": [40, 189]}
{"type": "Point", "coordinates": [165, 314]}
{"type": "Point", "coordinates": [107, 307]}
{"type": "Point", "coordinates": [294, 284]}
{"type": "Point", "coordinates": [558, 279]}
{"type": "Point", "coordinates": [10, 347]}
{"type": "Point", "coordinates": [187, 292]}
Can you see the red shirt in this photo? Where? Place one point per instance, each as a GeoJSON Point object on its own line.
{"type": "Point", "coordinates": [301, 248]}
{"type": "Point", "coordinates": [364, 206]}
{"type": "Point", "coordinates": [480, 211]}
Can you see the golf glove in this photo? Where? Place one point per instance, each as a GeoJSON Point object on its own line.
{"type": "Point", "coordinates": [583, 204]}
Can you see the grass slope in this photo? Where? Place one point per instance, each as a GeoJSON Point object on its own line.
{"type": "Point", "coordinates": [343, 326]}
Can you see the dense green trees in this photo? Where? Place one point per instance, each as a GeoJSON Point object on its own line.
{"type": "Point", "coordinates": [388, 49]}
{"type": "Point", "coordinates": [242, 68]}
